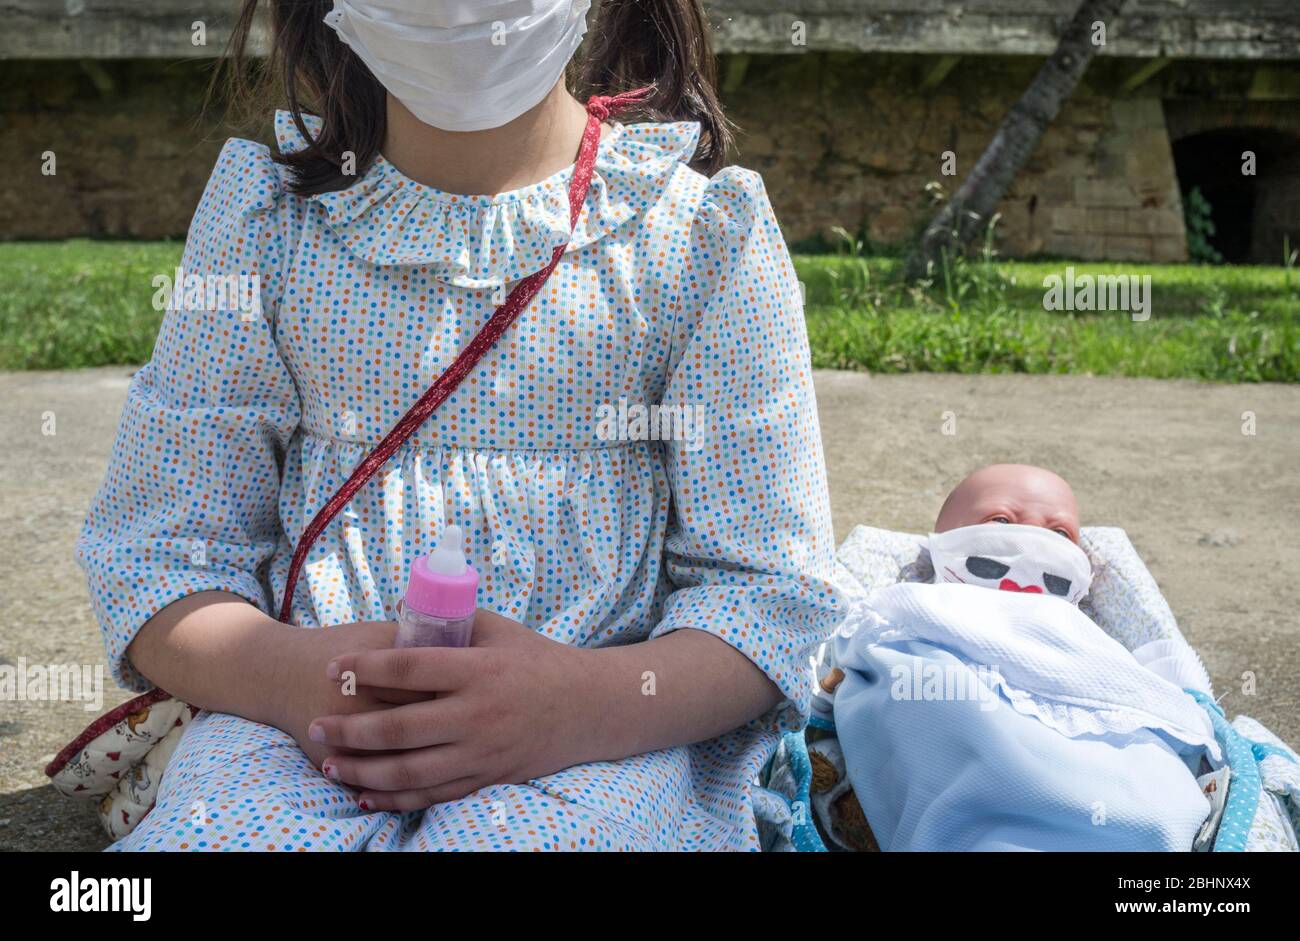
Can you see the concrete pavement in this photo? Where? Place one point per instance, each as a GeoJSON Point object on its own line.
{"type": "Point", "coordinates": [1214, 512]}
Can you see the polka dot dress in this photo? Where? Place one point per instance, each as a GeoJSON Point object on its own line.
{"type": "Point", "coordinates": [639, 454]}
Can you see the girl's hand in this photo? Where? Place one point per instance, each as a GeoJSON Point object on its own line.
{"type": "Point", "coordinates": [308, 692]}
{"type": "Point", "coordinates": [508, 709]}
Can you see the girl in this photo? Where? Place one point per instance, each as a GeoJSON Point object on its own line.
{"type": "Point", "coordinates": [646, 605]}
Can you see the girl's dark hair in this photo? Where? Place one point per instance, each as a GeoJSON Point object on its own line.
{"type": "Point", "coordinates": [632, 43]}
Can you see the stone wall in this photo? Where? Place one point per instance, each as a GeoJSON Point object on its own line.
{"type": "Point", "coordinates": [131, 155]}
{"type": "Point", "coordinates": [853, 141]}
{"type": "Point", "coordinates": [842, 140]}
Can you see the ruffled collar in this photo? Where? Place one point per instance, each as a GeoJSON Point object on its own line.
{"type": "Point", "coordinates": [386, 218]}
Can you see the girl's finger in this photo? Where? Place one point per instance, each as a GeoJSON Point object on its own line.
{"type": "Point", "coordinates": [405, 801]}
{"type": "Point", "coordinates": [424, 669]}
{"type": "Point", "coordinates": [417, 769]}
{"type": "Point", "coordinates": [394, 728]}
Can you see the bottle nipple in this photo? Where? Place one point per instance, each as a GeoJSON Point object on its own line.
{"type": "Point", "coordinates": [448, 558]}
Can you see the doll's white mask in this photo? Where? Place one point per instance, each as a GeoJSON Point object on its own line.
{"type": "Point", "coordinates": [1011, 557]}
{"type": "Point", "coordinates": [463, 65]}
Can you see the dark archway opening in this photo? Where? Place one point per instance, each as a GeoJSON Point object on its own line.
{"type": "Point", "coordinates": [1251, 213]}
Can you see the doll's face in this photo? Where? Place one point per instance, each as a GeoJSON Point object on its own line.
{"type": "Point", "coordinates": [1012, 527]}
{"type": "Point", "coordinates": [1012, 493]}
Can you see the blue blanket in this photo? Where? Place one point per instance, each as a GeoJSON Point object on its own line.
{"type": "Point", "coordinates": [962, 728]}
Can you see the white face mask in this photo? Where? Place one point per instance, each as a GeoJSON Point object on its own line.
{"type": "Point", "coordinates": [1012, 558]}
{"type": "Point", "coordinates": [463, 65]}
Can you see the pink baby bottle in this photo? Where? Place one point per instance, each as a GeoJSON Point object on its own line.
{"type": "Point", "coordinates": [441, 597]}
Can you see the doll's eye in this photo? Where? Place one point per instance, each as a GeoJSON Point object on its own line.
{"type": "Point", "coordinates": [1063, 533]}
{"type": "Point", "coordinates": [1000, 519]}
{"type": "Point", "coordinates": [981, 567]}
{"type": "Point", "coordinates": [1056, 584]}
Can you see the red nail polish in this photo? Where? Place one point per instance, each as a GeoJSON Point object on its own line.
{"type": "Point", "coordinates": [364, 805]}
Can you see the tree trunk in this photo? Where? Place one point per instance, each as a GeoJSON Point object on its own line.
{"type": "Point", "coordinates": [967, 213]}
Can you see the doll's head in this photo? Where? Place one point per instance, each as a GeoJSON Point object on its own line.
{"type": "Point", "coordinates": [1013, 527]}
{"type": "Point", "coordinates": [1012, 493]}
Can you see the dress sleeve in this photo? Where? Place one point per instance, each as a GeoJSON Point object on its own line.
{"type": "Point", "coordinates": [749, 549]}
{"type": "Point", "coordinates": [189, 500]}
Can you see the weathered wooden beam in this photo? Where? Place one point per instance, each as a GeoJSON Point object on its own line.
{"type": "Point", "coordinates": [939, 71]}
{"type": "Point", "coordinates": [116, 29]}
{"type": "Point", "coordinates": [1266, 29]}
{"type": "Point", "coordinates": [1182, 29]}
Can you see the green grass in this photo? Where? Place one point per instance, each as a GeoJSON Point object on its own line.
{"type": "Point", "coordinates": [84, 303]}
{"type": "Point", "coordinates": [1231, 324]}
{"type": "Point", "coordinates": [80, 303]}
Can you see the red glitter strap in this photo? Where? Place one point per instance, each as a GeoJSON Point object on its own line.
{"type": "Point", "coordinates": [598, 109]}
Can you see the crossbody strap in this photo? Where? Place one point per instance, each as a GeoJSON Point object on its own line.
{"type": "Point", "coordinates": [598, 109]}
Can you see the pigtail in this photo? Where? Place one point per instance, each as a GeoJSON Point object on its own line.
{"type": "Point", "coordinates": [318, 75]}
{"type": "Point", "coordinates": [664, 44]}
